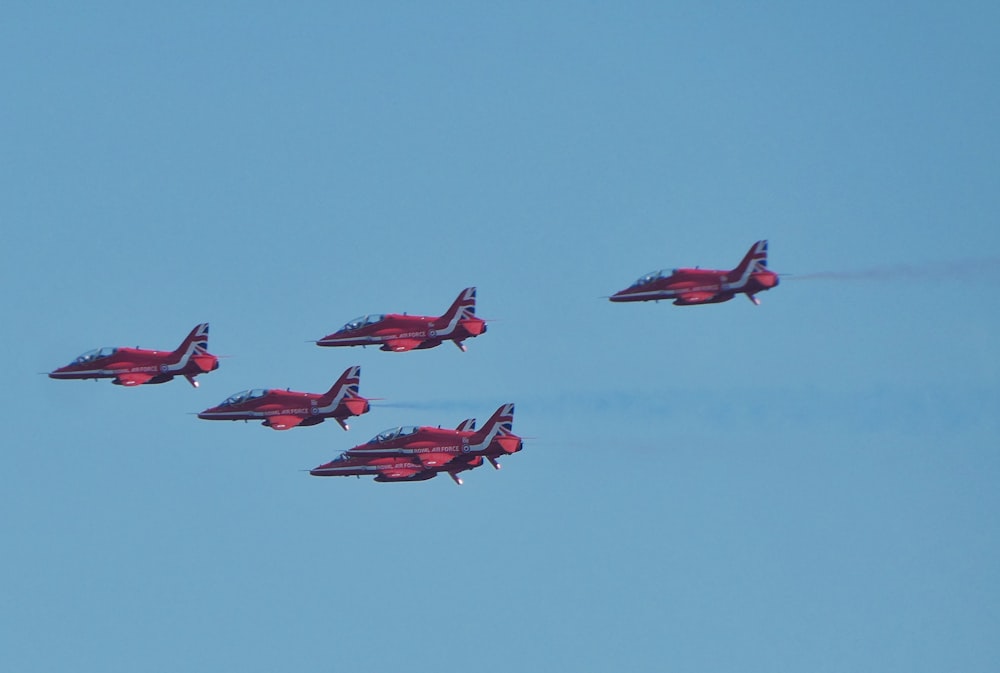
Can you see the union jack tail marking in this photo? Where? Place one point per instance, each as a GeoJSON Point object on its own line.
{"type": "Point", "coordinates": [468, 303]}
{"type": "Point", "coordinates": [755, 260]}
{"type": "Point", "coordinates": [468, 425]}
{"type": "Point", "coordinates": [348, 385]}
{"type": "Point", "coordinates": [196, 343]}
{"type": "Point", "coordinates": [463, 307]}
{"type": "Point", "coordinates": [501, 424]}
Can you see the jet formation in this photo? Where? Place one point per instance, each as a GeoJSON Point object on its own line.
{"type": "Point", "coordinates": [403, 453]}
{"type": "Point", "coordinates": [408, 453]}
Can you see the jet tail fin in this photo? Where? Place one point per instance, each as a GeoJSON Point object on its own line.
{"type": "Point", "coordinates": [346, 386]}
{"type": "Point", "coordinates": [499, 427]}
{"type": "Point", "coordinates": [463, 307]}
{"type": "Point", "coordinates": [196, 345]}
{"type": "Point", "coordinates": [755, 260]}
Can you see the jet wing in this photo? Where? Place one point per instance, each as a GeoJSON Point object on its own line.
{"type": "Point", "coordinates": [696, 297]}
{"type": "Point", "coordinates": [435, 459]}
{"type": "Point", "coordinates": [401, 345]}
{"type": "Point", "coordinates": [398, 473]}
{"type": "Point", "coordinates": [133, 378]}
{"type": "Point", "coordinates": [283, 422]}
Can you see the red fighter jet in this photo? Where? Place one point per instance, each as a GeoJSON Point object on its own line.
{"type": "Point", "coordinates": [414, 453]}
{"type": "Point", "coordinates": [392, 468]}
{"type": "Point", "coordinates": [285, 409]}
{"type": "Point", "coordinates": [688, 287]}
{"type": "Point", "coordinates": [135, 366]}
{"type": "Point", "coordinates": [395, 332]}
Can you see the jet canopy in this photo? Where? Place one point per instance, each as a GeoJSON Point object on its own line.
{"type": "Point", "coordinates": [95, 354]}
{"type": "Point", "coordinates": [654, 275]}
{"type": "Point", "coordinates": [393, 433]}
{"type": "Point", "coordinates": [358, 323]}
{"type": "Point", "coordinates": [243, 396]}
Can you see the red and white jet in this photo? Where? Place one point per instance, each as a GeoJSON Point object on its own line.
{"type": "Point", "coordinates": [687, 287]}
{"type": "Point", "coordinates": [135, 366]}
{"type": "Point", "coordinates": [393, 468]}
{"type": "Point", "coordinates": [413, 453]}
{"type": "Point", "coordinates": [286, 409]}
{"type": "Point", "coordinates": [401, 332]}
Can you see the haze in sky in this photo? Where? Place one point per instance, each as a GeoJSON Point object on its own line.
{"type": "Point", "coordinates": [805, 485]}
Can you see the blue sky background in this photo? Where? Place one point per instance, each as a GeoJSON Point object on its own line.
{"type": "Point", "coordinates": [805, 485]}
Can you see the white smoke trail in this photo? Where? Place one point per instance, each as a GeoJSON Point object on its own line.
{"type": "Point", "coordinates": [968, 270]}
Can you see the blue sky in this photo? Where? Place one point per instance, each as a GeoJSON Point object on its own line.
{"type": "Point", "coordinates": [805, 485]}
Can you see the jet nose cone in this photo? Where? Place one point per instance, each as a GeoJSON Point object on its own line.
{"type": "Point", "coordinates": [617, 296]}
{"type": "Point", "coordinates": [320, 470]}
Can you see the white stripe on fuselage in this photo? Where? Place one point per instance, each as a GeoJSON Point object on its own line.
{"type": "Point", "coordinates": [355, 468]}
{"type": "Point", "coordinates": [295, 411]}
{"type": "Point", "coordinates": [337, 469]}
{"type": "Point", "coordinates": [459, 315]}
{"type": "Point", "coordinates": [183, 361]}
{"type": "Point", "coordinates": [424, 335]}
{"type": "Point", "coordinates": [163, 368]}
{"type": "Point", "coordinates": [139, 369]}
{"type": "Point", "coordinates": [715, 288]}
{"type": "Point", "coordinates": [457, 449]}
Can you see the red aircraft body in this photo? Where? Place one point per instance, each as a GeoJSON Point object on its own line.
{"type": "Point", "coordinates": [687, 287]}
{"type": "Point", "coordinates": [413, 453]}
{"type": "Point", "coordinates": [135, 366]}
{"type": "Point", "coordinates": [393, 468]}
{"type": "Point", "coordinates": [401, 332]}
{"type": "Point", "coordinates": [285, 409]}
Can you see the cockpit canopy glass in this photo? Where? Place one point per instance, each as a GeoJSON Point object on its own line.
{"type": "Point", "coordinates": [393, 433]}
{"type": "Point", "coordinates": [95, 354]}
{"type": "Point", "coordinates": [364, 320]}
{"type": "Point", "coordinates": [654, 275]}
{"type": "Point", "coordinates": [244, 396]}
